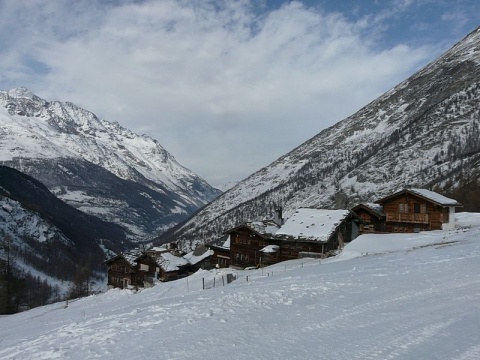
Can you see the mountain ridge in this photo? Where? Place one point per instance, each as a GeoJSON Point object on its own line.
{"type": "Point", "coordinates": [50, 140]}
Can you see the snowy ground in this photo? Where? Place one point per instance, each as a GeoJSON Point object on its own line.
{"type": "Point", "coordinates": [385, 297]}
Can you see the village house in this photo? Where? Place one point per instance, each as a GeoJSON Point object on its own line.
{"type": "Point", "coordinates": [372, 216]}
{"type": "Point", "coordinates": [414, 210]}
{"type": "Point", "coordinates": [221, 253]}
{"type": "Point", "coordinates": [134, 268]}
{"type": "Point", "coordinates": [200, 258]}
{"type": "Point", "coordinates": [139, 268]}
{"type": "Point", "coordinates": [171, 267]}
{"type": "Point", "coordinates": [313, 232]}
{"type": "Point", "coordinates": [308, 232]}
{"type": "Point", "coordinates": [248, 239]}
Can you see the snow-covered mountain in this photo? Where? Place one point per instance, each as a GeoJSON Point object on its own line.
{"type": "Point", "coordinates": [396, 296]}
{"type": "Point", "coordinates": [98, 166]}
{"type": "Point", "coordinates": [425, 132]}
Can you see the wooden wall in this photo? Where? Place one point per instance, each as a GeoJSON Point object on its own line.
{"type": "Point", "coordinates": [436, 214]}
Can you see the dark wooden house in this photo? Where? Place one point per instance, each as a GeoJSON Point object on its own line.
{"type": "Point", "coordinates": [315, 233]}
{"type": "Point", "coordinates": [200, 258]}
{"type": "Point", "coordinates": [414, 210]}
{"type": "Point", "coordinates": [372, 216]}
{"type": "Point", "coordinates": [171, 267]}
{"type": "Point", "coordinates": [221, 253]}
{"type": "Point", "coordinates": [133, 268]}
{"type": "Point", "coordinates": [248, 239]}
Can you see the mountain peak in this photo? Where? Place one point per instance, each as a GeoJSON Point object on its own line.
{"type": "Point", "coordinates": [80, 158]}
{"type": "Point", "coordinates": [22, 93]}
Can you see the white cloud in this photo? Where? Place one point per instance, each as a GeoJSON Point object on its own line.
{"type": "Point", "coordinates": [223, 87]}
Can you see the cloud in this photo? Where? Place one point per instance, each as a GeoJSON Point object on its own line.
{"type": "Point", "coordinates": [226, 87]}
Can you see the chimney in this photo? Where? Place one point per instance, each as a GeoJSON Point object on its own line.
{"type": "Point", "coordinates": [278, 216]}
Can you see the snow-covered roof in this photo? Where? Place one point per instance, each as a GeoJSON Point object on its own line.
{"type": "Point", "coordinates": [435, 197]}
{"type": "Point", "coordinates": [158, 249]}
{"type": "Point", "coordinates": [170, 262]}
{"type": "Point", "coordinates": [130, 256]}
{"type": "Point", "coordinates": [312, 224]}
{"type": "Point", "coordinates": [426, 194]}
{"type": "Point", "coordinates": [376, 209]}
{"type": "Point", "coordinates": [195, 259]}
{"type": "Point", "coordinates": [270, 249]}
{"type": "Point", "coordinates": [226, 244]}
{"type": "Point", "coordinates": [263, 227]}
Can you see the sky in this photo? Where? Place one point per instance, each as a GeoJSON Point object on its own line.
{"type": "Point", "coordinates": [386, 296]}
{"type": "Point", "coordinates": [226, 87]}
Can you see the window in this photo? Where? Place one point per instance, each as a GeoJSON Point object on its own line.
{"type": "Point", "coordinates": [403, 208]}
{"type": "Point", "coordinates": [143, 267]}
{"type": "Point", "coordinates": [423, 208]}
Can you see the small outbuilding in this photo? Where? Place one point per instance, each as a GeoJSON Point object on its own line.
{"type": "Point", "coordinates": [372, 216]}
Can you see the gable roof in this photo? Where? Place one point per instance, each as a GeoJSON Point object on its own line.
{"type": "Point", "coordinates": [262, 228]}
{"type": "Point", "coordinates": [374, 209]}
{"type": "Point", "coordinates": [169, 262]}
{"type": "Point", "coordinates": [195, 259]}
{"type": "Point", "coordinates": [130, 256]}
{"type": "Point", "coordinates": [425, 194]}
{"type": "Point", "coordinates": [312, 224]}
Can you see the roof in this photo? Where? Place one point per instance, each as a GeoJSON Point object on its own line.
{"type": "Point", "coordinates": [312, 224]}
{"type": "Point", "coordinates": [130, 256]}
{"type": "Point", "coordinates": [169, 262]}
{"type": "Point", "coordinates": [372, 208]}
{"type": "Point", "coordinates": [270, 249]}
{"type": "Point", "coordinates": [262, 227]}
{"type": "Point", "coordinates": [195, 259]}
{"type": "Point", "coordinates": [427, 195]}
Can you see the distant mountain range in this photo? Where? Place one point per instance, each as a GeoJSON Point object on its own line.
{"type": "Point", "coordinates": [425, 132]}
{"type": "Point", "coordinates": [97, 166]}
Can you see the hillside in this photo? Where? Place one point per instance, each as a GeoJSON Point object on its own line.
{"type": "Point", "coordinates": [396, 296]}
{"type": "Point", "coordinates": [423, 133]}
{"type": "Point", "coordinates": [45, 240]}
{"type": "Point", "coordinates": [97, 166]}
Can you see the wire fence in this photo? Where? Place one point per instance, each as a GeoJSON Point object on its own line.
{"type": "Point", "coordinates": [252, 274]}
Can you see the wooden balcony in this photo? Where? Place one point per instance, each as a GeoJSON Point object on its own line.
{"type": "Point", "coordinates": [412, 218]}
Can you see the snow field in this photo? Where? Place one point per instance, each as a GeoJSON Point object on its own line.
{"type": "Point", "coordinates": [412, 296]}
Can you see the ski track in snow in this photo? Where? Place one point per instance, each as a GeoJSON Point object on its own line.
{"type": "Point", "coordinates": [414, 303]}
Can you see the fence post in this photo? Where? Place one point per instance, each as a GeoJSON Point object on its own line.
{"type": "Point", "coordinates": [203, 283]}
{"type": "Point", "coordinates": [223, 281]}
{"type": "Point", "coordinates": [214, 281]}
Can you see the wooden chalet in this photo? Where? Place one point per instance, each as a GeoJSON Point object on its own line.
{"type": "Point", "coordinates": [171, 267]}
{"type": "Point", "coordinates": [133, 268]}
{"type": "Point", "coordinates": [200, 258]}
{"type": "Point", "coordinates": [247, 241]}
{"type": "Point", "coordinates": [414, 210]}
{"type": "Point", "coordinates": [221, 253]}
{"type": "Point", "coordinates": [372, 216]}
{"type": "Point", "coordinates": [315, 233]}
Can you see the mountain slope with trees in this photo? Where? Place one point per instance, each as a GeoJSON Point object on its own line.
{"type": "Point", "coordinates": [44, 241]}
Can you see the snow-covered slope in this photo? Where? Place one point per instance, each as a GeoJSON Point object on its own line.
{"type": "Point", "coordinates": [398, 296]}
{"type": "Point", "coordinates": [78, 156]}
{"type": "Point", "coordinates": [425, 132]}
